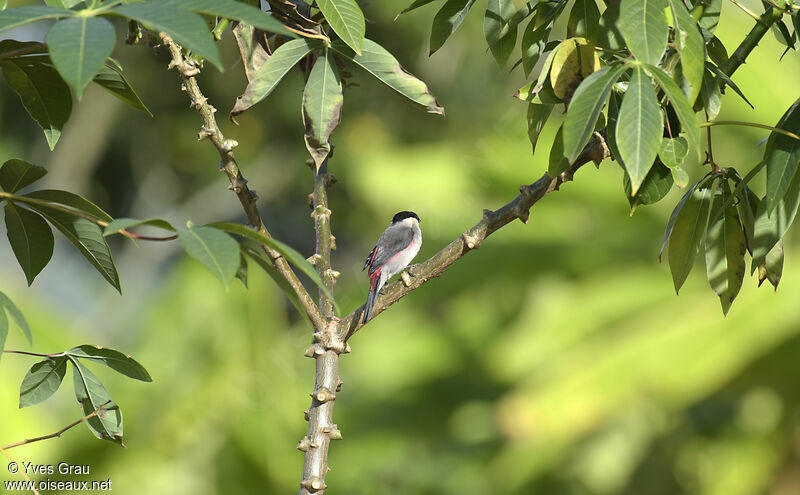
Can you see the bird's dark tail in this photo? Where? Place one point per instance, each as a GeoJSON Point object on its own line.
{"type": "Point", "coordinates": [373, 294]}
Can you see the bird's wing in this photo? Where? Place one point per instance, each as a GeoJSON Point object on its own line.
{"type": "Point", "coordinates": [383, 251]}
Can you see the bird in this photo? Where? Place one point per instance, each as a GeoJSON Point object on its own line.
{"type": "Point", "coordinates": [395, 249]}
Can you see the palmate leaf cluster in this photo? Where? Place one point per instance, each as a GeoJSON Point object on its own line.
{"type": "Point", "coordinates": [639, 71]}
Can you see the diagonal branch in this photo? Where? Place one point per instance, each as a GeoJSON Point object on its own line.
{"type": "Point", "coordinates": [596, 150]}
{"type": "Point", "coordinates": [59, 432]}
{"type": "Point", "coordinates": [228, 165]}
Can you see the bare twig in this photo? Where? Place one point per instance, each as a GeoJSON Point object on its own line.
{"type": "Point", "coordinates": [519, 208]}
{"type": "Point", "coordinates": [59, 432]}
{"type": "Point", "coordinates": [228, 165]}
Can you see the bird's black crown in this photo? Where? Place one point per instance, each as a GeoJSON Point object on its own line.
{"type": "Point", "coordinates": [403, 215]}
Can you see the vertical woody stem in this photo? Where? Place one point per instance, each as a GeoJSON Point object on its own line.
{"type": "Point", "coordinates": [325, 350]}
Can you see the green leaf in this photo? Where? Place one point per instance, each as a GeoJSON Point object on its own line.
{"type": "Point", "coordinates": [681, 106]}
{"type": "Point", "coordinates": [558, 163]}
{"type": "Point", "coordinates": [709, 17]}
{"type": "Point", "coordinates": [768, 229]}
{"type": "Point", "coordinates": [772, 268]}
{"type": "Point", "coordinates": [44, 94]}
{"type": "Point", "coordinates": [782, 155]}
{"type": "Point", "coordinates": [215, 249]}
{"type": "Point", "coordinates": [72, 200]}
{"type": "Point", "coordinates": [644, 27]}
{"type": "Point", "coordinates": [42, 381]}
{"type": "Point", "coordinates": [639, 128]}
{"type": "Point", "coordinates": [725, 246]}
{"type": "Point", "coordinates": [417, 4]}
{"type": "Point", "coordinates": [187, 28]}
{"type": "Point", "coordinates": [711, 95]}
{"type": "Point", "coordinates": [690, 45]}
{"type": "Point", "coordinates": [748, 207]}
{"type": "Point", "coordinates": [12, 18]}
{"type": "Point", "coordinates": [727, 80]}
{"type": "Point", "coordinates": [584, 20]}
{"type": "Point", "coordinates": [78, 47]}
{"type": "Point", "coordinates": [114, 359]}
{"type": "Point", "coordinates": [87, 238]}
{"type": "Point", "coordinates": [322, 106]}
{"type": "Point", "coordinates": [3, 331]}
{"type": "Point", "coordinates": [447, 20]}
{"type": "Point", "coordinates": [111, 79]}
{"type": "Point", "coordinates": [537, 118]}
{"type": "Point", "coordinates": [16, 315]}
{"type": "Point", "coordinates": [126, 223]}
{"type": "Point", "coordinates": [237, 11]}
{"type": "Point", "coordinates": [291, 255]}
{"type": "Point", "coordinates": [31, 240]}
{"type": "Point", "coordinates": [269, 75]}
{"type": "Point", "coordinates": [673, 151]}
{"type": "Point", "coordinates": [653, 189]}
{"type": "Point", "coordinates": [500, 35]}
{"type": "Point", "coordinates": [584, 109]}
{"type": "Point", "coordinates": [380, 63]}
{"type": "Point", "coordinates": [91, 393]}
{"type": "Point", "coordinates": [346, 19]}
{"type": "Point", "coordinates": [687, 234]}
{"type": "Point", "coordinates": [533, 43]}
{"type": "Point", "coordinates": [16, 174]}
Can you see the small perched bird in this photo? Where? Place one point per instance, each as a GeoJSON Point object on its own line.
{"type": "Point", "coordinates": [395, 249]}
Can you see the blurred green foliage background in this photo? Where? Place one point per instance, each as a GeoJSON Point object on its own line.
{"type": "Point", "coordinates": [555, 360]}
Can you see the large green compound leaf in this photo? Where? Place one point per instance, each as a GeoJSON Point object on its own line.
{"type": "Point", "coordinates": [782, 155]}
{"type": "Point", "coordinates": [380, 63]}
{"type": "Point", "coordinates": [42, 381]}
{"type": "Point", "coordinates": [447, 20]}
{"type": "Point", "coordinates": [725, 246]}
{"type": "Point", "coordinates": [92, 395]}
{"type": "Point", "coordinates": [640, 126]}
{"type": "Point", "coordinates": [78, 48]}
{"type": "Point", "coordinates": [44, 94]}
{"type": "Point", "coordinates": [322, 106]}
{"type": "Point", "coordinates": [186, 27]}
{"type": "Point", "coordinates": [31, 240]}
{"type": "Point", "coordinates": [643, 24]}
{"type": "Point", "coordinates": [346, 19]}
{"type": "Point", "coordinates": [584, 109]}
{"type": "Point", "coordinates": [687, 234]}
{"type": "Point", "coordinates": [212, 247]}
{"type": "Point", "coordinates": [270, 74]}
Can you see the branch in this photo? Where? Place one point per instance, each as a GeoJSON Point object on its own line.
{"type": "Point", "coordinates": [238, 184]}
{"type": "Point", "coordinates": [59, 432]}
{"type": "Point", "coordinates": [325, 350]}
{"type": "Point", "coordinates": [595, 150]}
{"type": "Point", "coordinates": [763, 24]}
